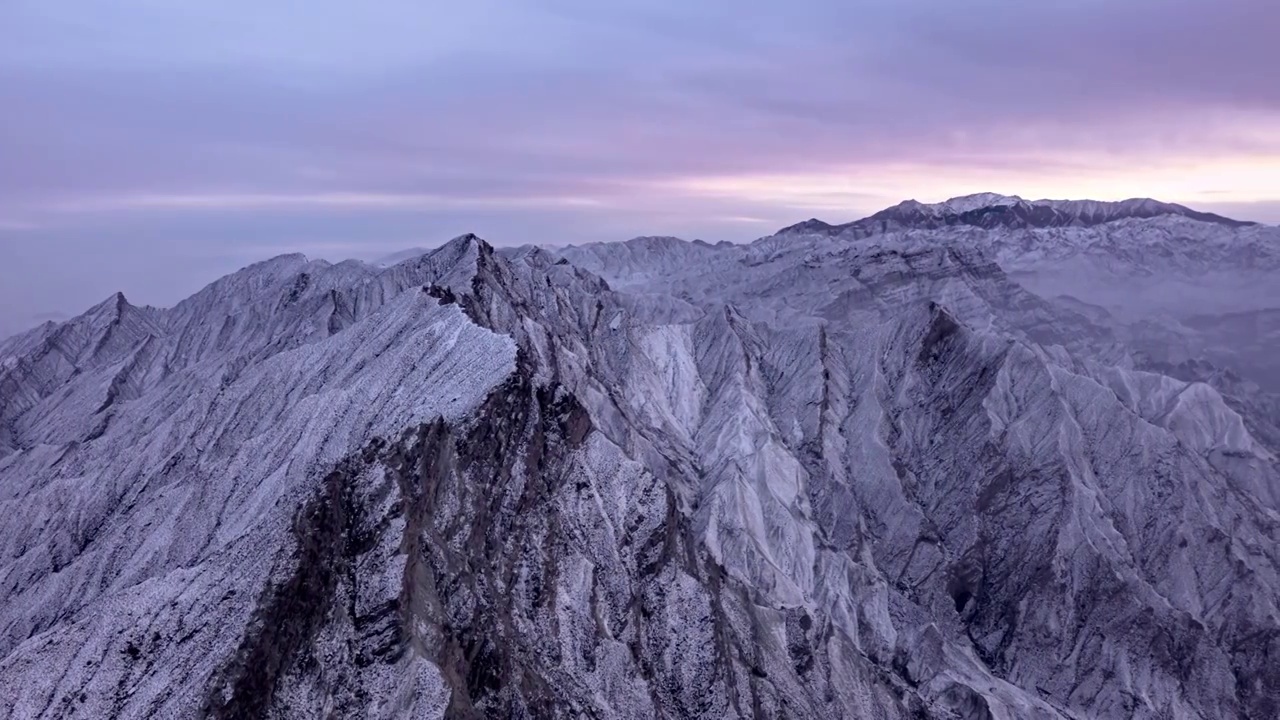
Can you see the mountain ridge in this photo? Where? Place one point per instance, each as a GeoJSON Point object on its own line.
{"type": "Point", "coordinates": [991, 210]}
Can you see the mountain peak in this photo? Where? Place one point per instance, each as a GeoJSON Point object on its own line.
{"type": "Point", "coordinates": [977, 201]}
{"type": "Point", "coordinates": [284, 259]}
{"type": "Point", "coordinates": [811, 226]}
{"type": "Point", "coordinates": [466, 242]}
{"type": "Point", "coordinates": [111, 308]}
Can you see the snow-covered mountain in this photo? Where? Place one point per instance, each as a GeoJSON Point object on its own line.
{"type": "Point", "coordinates": [816, 476]}
{"type": "Point", "coordinates": [1135, 258]}
{"type": "Point", "coordinates": [992, 210]}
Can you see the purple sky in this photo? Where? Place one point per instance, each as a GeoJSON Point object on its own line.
{"type": "Point", "coordinates": [151, 146]}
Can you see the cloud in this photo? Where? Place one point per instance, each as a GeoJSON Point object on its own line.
{"type": "Point", "coordinates": [633, 93]}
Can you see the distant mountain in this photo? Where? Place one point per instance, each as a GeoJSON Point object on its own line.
{"type": "Point", "coordinates": [641, 256]}
{"type": "Point", "coordinates": [1133, 257]}
{"type": "Point", "coordinates": [398, 257]}
{"type": "Point", "coordinates": [991, 210]}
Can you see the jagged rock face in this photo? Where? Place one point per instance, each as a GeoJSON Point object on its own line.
{"type": "Point", "coordinates": [802, 480]}
{"type": "Point", "coordinates": [1101, 433]}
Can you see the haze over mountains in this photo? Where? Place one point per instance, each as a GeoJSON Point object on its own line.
{"type": "Point", "coordinates": [986, 458]}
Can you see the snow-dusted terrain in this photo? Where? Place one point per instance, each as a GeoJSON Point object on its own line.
{"type": "Point", "coordinates": [833, 473]}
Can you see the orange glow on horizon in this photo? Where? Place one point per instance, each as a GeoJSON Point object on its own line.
{"type": "Point", "coordinates": [872, 187]}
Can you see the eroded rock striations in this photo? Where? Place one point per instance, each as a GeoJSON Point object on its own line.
{"type": "Point", "coordinates": [806, 479]}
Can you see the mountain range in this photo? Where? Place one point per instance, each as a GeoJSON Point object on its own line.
{"type": "Point", "coordinates": [986, 458]}
{"type": "Point", "coordinates": [992, 210]}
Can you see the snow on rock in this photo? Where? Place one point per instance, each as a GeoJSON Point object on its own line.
{"type": "Point", "coordinates": [141, 537]}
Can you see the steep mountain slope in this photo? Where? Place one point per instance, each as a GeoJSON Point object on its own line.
{"type": "Point", "coordinates": [139, 533]}
{"type": "Point", "coordinates": [1118, 463]}
{"type": "Point", "coordinates": [801, 479]}
{"type": "Point", "coordinates": [1190, 293]}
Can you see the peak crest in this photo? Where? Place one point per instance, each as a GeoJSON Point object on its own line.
{"type": "Point", "coordinates": [468, 240]}
{"type": "Point", "coordinates": [113, 305]}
